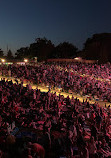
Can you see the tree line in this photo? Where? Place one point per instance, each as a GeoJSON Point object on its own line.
{"type": "Point", "coordinates": [43, 49]}
{"type": "Point", "coordinates": [98, 47]}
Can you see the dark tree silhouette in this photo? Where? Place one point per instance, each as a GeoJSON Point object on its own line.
{"type": "Point", "coordinates": [44, 48]}
{"type": "Point", "coordinates": [9, 55]}
{"type": "Point", "coordinates": [65, 50]}
{"type": "Point", "coordinates": [98, 47]}
{"type": "Point", "coordinates": [22, 53]}
{"type": "Point", "coordinates": [1, 53]}
{"type": "Point", "coordinates": [41, 49]}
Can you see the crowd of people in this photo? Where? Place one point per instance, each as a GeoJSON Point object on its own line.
{"type": "Point", "coordinates": [67, 77]}
{"type": "Point", "coordinates": [102, 71]}
{"type": "Point", "coordinates": [64, 127]}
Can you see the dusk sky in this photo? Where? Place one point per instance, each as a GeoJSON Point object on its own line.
{"type": "Point", "coordinates": [21, 21]}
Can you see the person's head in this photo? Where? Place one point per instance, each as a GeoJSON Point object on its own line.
{"type": "Point", "coordinates": [29, 144]}
{"type": "Point", "coordinates": [99, 144]}
{"type": "Point", "coordinates": [103, 141]}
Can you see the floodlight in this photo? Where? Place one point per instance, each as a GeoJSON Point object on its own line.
{"type": "Point", "coordinates": [2, 60]}
{"type": "Point", "coordinates": [25, 60]}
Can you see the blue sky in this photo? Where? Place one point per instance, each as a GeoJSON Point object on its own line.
{"type": "Point", "coordinates": [21, 21]}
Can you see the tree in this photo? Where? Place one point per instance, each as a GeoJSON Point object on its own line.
{"type": "Point", "coordinates": [22, 53]}
{"type": "Point", "coordinates": [1, 53]}
{"type": "Point", "coordinates": [41, 49]}
{"type": "Point", "coordinates": [44, 48]}
{"type": "Point", "coordinates": [9, 55]}
{"type": "Point", "coordinates": [65, 50]}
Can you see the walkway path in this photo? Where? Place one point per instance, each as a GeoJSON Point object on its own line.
{"type": "Point", "coordinates": [45, 89]}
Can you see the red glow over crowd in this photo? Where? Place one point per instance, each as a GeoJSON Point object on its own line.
{"type": "Point", "coordinates": [41, 124]}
